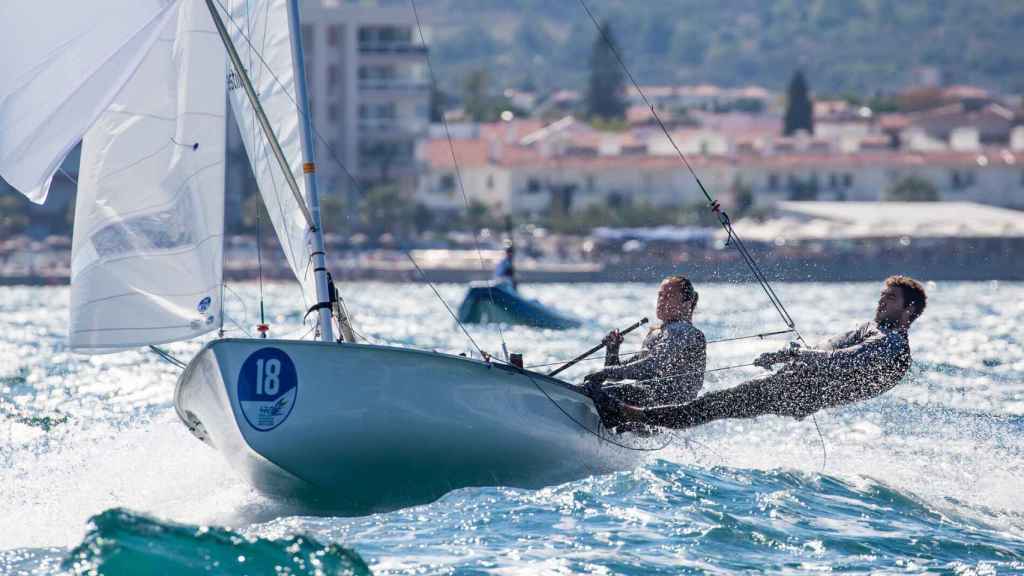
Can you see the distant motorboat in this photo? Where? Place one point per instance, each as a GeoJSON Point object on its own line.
{"type": "Point", "coordinates": [498, 301]}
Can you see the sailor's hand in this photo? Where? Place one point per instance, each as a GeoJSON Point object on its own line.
{"type": "Point", "coordinates": [768, 359]}
{"type": "Point", "coordinates": [612, 340]}
{"type": "Point", "coordinates": [787, 354]}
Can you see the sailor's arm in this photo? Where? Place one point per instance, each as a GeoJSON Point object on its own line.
{"type": "Point", "coordinates": [843, 340]}
{"type": "Point", "coordinates": [670, 358]}
{"type": "Point", "coordinates": [872, 351]}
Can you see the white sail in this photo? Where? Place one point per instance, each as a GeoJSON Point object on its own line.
{"type": "Point", "coordinates": [63, 62]}
{"type": "Point", "coordinates": [146, 259]}
{"type": "Point", "coordinates": [259, 31]}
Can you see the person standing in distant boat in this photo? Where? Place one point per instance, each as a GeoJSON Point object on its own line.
{"type": "Point", "coordinates": [852, 367]}
{"type": "Point", "coordinates": [506, 269]}
{"type": "Point", "coordinates": [670, 367]}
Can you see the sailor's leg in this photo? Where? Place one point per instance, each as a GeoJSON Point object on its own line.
{"type": "Point", "coordinates": [748, 400]}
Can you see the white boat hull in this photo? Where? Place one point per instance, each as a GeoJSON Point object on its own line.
{"type": "Point", "coordinates": [359, 428]}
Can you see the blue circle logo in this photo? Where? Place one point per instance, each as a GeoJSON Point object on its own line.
{"type": "Point", "coordinates": [204, 304]}
{"type": "Point", "coordinates": [267, 387]}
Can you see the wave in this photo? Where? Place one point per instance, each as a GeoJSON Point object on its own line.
{"type": "Point", "coordinates": [122, 542]}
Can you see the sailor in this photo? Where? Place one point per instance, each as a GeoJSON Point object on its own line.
{"type": "Point", "coordinates": [505, 271]}
{"type": "Point", "coordinates": [670, 366]}
{"type": "Point", "coordinates": [852, 367]}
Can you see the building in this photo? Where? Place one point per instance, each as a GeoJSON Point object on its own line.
{"type": "Point", "coordinates": [369, 89]}
{"type": "Point", "coordinates": [369, 96]}
{"type": "Point", "coordinates": [566, 166]}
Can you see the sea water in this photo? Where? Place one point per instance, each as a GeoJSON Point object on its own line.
{"type": "Point", "coordinates": [97, 475]}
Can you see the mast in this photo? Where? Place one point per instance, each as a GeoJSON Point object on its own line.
{"type": "Point", "coordinates": [310, 206]}
{"type": "Point", "coordinates": [309, 170]}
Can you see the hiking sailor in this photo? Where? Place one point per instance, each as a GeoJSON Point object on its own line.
{"type": "Point", "coordinates": [673, 356]}
{"type": "Point", "coordinates": [852, 367]}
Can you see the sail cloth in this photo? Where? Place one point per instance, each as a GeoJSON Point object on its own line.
{"type": "Point", "coordinates": [146, 258]}
{"type": "Point", "coordinates": [259, 31]}
{"type": "Point", "coordinates": [63, 62]}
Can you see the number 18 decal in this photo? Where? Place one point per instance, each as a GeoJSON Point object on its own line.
{"type": "Point", "coordinates": [267, 387]}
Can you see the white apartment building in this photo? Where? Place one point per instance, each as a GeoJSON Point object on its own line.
{"type": "Point", "coordinates": [567, 168]}
{"type": "Point", "coordinates": [369, 89]}
{"type": "Point", "coordinates": [369, 96]}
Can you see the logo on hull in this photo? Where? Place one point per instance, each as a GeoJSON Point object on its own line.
{"type": "Point", "coordinates": [267, 387]}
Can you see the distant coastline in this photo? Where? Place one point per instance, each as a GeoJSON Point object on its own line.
{"type": "Point", "coordinates": [960, 259]}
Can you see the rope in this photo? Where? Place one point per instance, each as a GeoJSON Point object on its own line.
{"type": "Point", "coordinates": [167, 356]}
{"type": "Point", "coordinates": [595, 356]}
{"type": "Point", "coordinates": [723, 218]}
{"type": "Point", "coordinates": [597, 435]}
{"type": "Point", "coordinates": [446, 306]}
{"type": "Point", "coordinates": [821, 438]}
{"type": "Point", "coordinates": [458, 171]}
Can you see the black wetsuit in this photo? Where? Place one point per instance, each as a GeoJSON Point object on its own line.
{"type": "Point", "coordinates": [669, 368]}
{"type": "Point", "coordinates": [855, 366]}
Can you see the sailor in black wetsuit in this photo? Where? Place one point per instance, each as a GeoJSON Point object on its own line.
{"type": "Point", "coordinates": [670, 367]}
{"type": "Point", "coordinates": [856, 366]}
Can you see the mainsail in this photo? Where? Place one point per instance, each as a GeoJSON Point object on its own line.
{"type": "Point", "coordinates": [64, 61]}
{"type": "Point", "coordinates": [259, 30]}
{"type": "Point", "coordinates": [146, 258]}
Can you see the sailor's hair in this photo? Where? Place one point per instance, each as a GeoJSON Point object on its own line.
{"type": "Point", "coordinates": [688, 292]}
{"type": "Point", "coordinates": [913, 293]}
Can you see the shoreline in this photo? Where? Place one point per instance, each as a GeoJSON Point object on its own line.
{"type": "Point", "coordinates": [827, 270]}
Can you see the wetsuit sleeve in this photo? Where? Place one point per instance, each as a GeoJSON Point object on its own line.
{"type": "Point", "coordinates": [663, 357]}
{"type": "Point", "coordinates": [870, 352]}
{"type": "Point", "coordinates": [843, 340]}
{"type": "Point", "coordinates": [612, 359]}
{"type": "Point", "coordinates": [619, 371]}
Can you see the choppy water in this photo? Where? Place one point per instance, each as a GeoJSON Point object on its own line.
{"type": "Point", "coordinates": [96, 474]}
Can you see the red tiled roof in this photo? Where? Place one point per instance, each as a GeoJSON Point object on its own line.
{"type": "Point", "coordinates": [438, 154]}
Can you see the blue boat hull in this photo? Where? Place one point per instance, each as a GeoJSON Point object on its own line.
{"type": "Point", "coordinates": [500, 303]}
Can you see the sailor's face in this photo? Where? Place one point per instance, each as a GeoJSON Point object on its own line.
{"type": "Point", "coordinates": [891, 307]}
{"type": "Point", "coordinates": [670, 305]}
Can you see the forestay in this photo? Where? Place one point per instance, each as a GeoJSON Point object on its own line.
{"type": "Point", "coordinates": [259, 30]}
{"type": "Point", "coordinates": [63, 63]}
{"type": "Point", "coordinates": [146, 259]}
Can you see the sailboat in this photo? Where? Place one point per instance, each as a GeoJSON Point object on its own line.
{"type": "Point", "coordinates": [350, 426]}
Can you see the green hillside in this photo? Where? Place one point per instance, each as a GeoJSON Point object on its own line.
{"type": "Point", "coordinates": [857, 46]}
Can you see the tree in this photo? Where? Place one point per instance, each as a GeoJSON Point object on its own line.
{"type": "Point", "coordinates": [476, 100]}
{"type": "Point", "coordinates": [799, 108]}
{"type": "Point", "coordinates": [912, 189]}
{"type": "Point", "coordinates": [606, 91]}
{"type": "Point", "coordinates": [384, 209]}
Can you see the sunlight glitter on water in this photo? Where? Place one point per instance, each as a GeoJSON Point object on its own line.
{"type": "Point", "coordinates": [941, 452]}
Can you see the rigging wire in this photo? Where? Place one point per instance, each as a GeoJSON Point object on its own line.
{"type": "Point", "coordinates": [165, 355]}
{"type": "Point", "coordinates": [821, 438]}
{"type": "Point", "coordinates": [671, 439]}
{"type": "Point", "coordinates": [723, 218]}
{"type": "Point", "coordinates": [262, 327]}
{"type": "Point", "coordinates": [330, 149]}
{"type": "Point", "coordinates": [458, 172]}
{"type": "Point", "coordinates": [595, 355]}
{"type": "Point", "coordinates": [446, 306]}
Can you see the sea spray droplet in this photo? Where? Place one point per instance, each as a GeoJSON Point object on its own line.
{"type": "Point", "coordinates": [121, 542]}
